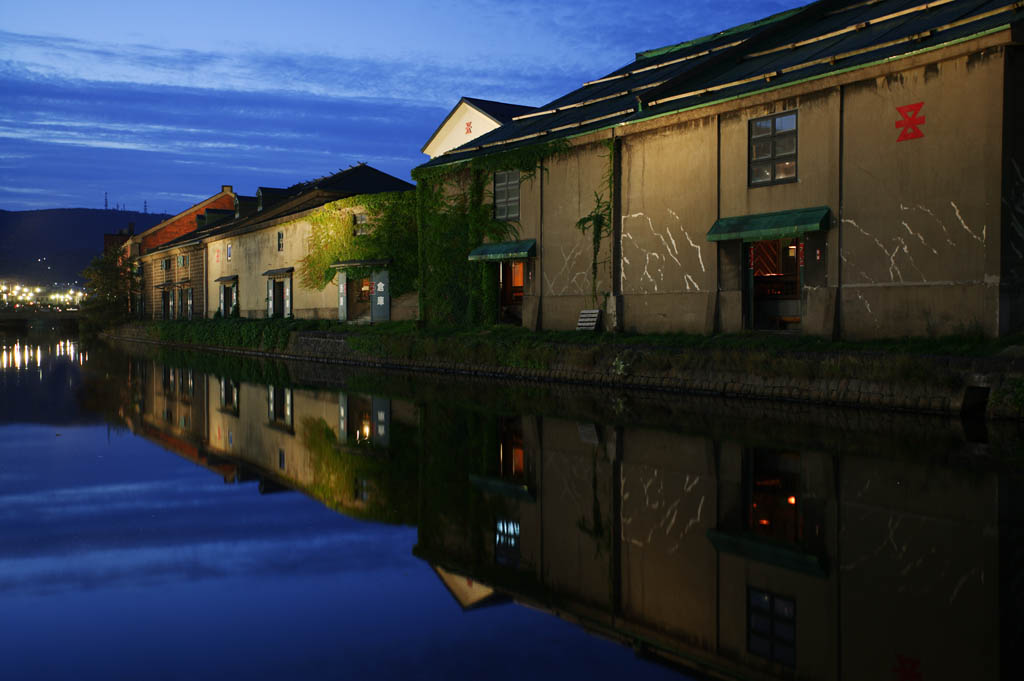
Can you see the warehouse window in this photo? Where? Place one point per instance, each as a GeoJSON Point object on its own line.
{"type": "Point", "coordinates": [771, 626]}
{"type": "Point", "coordinates": [773, 149]}
{"type": "Point", "coordinates": [506, 195]}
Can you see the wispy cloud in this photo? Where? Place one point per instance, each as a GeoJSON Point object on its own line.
{"type": "Point", "coordinates": [191, 105]}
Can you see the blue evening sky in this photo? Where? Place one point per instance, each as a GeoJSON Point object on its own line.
{"type": "Point", "coordinates": [165, 102]}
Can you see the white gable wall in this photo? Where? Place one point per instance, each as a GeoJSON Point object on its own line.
{"type": "Point", "coordinates": [454, 132]}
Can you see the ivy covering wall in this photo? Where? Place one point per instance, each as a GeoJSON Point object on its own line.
{"type": "Point", "coordinates": [390, 233]}
{"type": "Point", "coordinates": [455, 216]}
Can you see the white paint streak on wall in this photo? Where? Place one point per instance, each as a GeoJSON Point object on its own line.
{"type": "Point", "coordinates": [568, 260]}
{"type": "Point", "coordinates": [935, 217]}
{"type": "Point", "coordinates": [894, 270]}
{"type": "Point", "coordinates": [918, 235]}
{"type": "Point", "coordinates": [980, 239]}
{"type": "Point", "coordinates": [867, 305]}
{"type": "Point", "coordinates": [696, 519]}
{"type": "Point", "coordinates": [906, 251]}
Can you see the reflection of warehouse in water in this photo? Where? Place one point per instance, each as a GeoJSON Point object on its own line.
{"type": "Point", "coordinates": [332, 445]}
{"type": "Point", "coordinates": [750, 553]}
{"type": "Point", "coordinates": [737, 560]}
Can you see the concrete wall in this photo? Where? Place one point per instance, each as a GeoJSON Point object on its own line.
{"type": "Point", "coordinates": [256, 252]}
{"type": "Point", "coordinates": [153, 275]}
{"type": "Point", "coordinates": [922, 231]}
{"type": "Point", "coordinates": [565, 257]}
{"type": "Point", "coordinates": [921, 218]}
{"type": "Point", "coordinates": [669, 201]}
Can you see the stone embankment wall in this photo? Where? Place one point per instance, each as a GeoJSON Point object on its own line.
{"type": "Point", "coordinates": [939, 385]}
{"type": "Point", "coordinates": [993, 386]}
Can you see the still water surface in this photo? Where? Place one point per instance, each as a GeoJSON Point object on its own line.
{"type": "Point", "coordinates": [178, 516]}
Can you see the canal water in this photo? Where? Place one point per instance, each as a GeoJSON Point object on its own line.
{"type": "Point", "coordinates": [169, 515]}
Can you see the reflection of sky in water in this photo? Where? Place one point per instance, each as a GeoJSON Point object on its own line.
{"type": "Point", "coordinates": [120, 560]}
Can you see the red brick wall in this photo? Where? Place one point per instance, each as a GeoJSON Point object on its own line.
{"type": "Point", "coordinates": [183, 224]}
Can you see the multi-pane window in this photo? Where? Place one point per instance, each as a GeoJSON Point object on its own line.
{"type": "Point", "coordinates": [280, 241]}
{"type": "Point", "coordinates": [229, 252]}
{"type": "Point", "coordinates": [506, 542]}
{"type": "Point", "coordinates": [773, 149]}
{"type": "Point", "coordinates": [361, 224]}
{"type": "Point", "coordinates": [506, 195]}
{"type": "Point", "coordinates": [182, 261]}
{"type": "Point", "coordinates": [771, 626]}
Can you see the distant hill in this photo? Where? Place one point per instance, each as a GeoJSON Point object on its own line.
{"type": "Point", "coordinates": [67, 237]}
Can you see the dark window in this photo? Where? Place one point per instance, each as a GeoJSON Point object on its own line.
{"type": "Point", "coordinates": [506, 195]}
{"type": "Point", "coordinates": [280, 241]}
{"type": "Point", "coordinates": [280, 405]}
{"type": "Point", "coordinates": [771, 626]}
{"type": "Point", "coordinates": [165, 264]}
{"type": "Point", "coordinates": [773, 149]}
{"type": "Point", "coordinates": [362, 490]}
{"type": "Point", "coordinates": [280, 459]}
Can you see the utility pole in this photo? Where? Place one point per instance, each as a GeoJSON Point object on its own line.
{"type": "Point", "coordinates": [145, 206]}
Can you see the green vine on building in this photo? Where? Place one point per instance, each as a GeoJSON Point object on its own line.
{"type": "Point", "coordinates": [598, 222]}
{"type": "Point", "coordinates": [455, 216]}
{"type": "Point", "coordinates": [390, 234]}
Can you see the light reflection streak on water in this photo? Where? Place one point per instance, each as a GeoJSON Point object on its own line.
{"type": "Point", "coordinates": [22, 356]}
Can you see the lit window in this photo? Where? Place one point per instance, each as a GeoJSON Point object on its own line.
{"type": "Point", "coordinates": [506, 543]}
{"type": "Point", "coordinates": [229, 252]}
{"type": "Point", "coordinates": [773, 149]}
{"type": "Point", "coordinates": [506, 195]}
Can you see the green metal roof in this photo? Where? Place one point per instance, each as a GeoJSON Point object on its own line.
{"type": "Point", "coordinates": [506, 250]}
{"type": "Point", "coordinates": [764, 226]}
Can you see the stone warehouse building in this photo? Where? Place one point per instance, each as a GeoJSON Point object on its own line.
{"type": "Point", "coordinates": [252, 263]}
{"type": "Point", "coordinates": [243, 260]}
{"type": "Point", "coordinates": [169, 270]}
{"type": "Point", "coordinates": [847, 168]}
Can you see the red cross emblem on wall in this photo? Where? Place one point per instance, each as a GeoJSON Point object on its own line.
{"type": "Point", "coordinates": [469, 127]}
{"type": "Point", "coordinates": [910, 121]}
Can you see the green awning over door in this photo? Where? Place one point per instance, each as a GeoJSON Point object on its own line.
{"type": "Point", "coordinates": [780, 225]}
{"type": "Point", "coordinates": [506, 250]}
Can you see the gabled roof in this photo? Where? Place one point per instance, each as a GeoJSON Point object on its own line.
{"type": "Point", "coordinates": [225, 190]}
{"type": "Point", "coordinates": [821, 39]}
{"type": "Point", "coordinates": [499, 112]}
{"type": "Point", "coordinates": [355, 180]}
